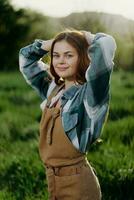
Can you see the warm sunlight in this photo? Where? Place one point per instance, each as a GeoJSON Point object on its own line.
{"type": "Point", "coordinates": [66, 99]}
{"type": "Point", "coordinates": [60, 8]}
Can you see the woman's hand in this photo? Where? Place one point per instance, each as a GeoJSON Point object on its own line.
{"type": "Point", "coordinates": [89, 36]}
{"type": "Point", "coordinates": [46, 45]}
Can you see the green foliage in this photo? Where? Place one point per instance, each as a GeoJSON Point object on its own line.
{"type": "Point", "coordinates": [21, 27]}
{"type": "Point", "coordinates": [113, 157]}
{"type": "Point", "coordinates": [22, 174]}
{"type": "Point", "coordinates": [17, 29]}
{"type": "Point", "coordinates": [24, 177]}
{"type": "Point", "coordinates": [124, 56]}
{"type": "Point", "coordinates": [12, 30]}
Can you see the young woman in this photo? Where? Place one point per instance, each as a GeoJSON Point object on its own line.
{"type": "Point", "coordinates": [75, 94]}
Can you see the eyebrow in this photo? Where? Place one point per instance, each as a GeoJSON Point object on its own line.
{"type": "Point", "coordinates": [64, 52]}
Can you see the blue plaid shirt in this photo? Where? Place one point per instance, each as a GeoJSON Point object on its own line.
{"type": "Point", "coordinates": [84, 107]}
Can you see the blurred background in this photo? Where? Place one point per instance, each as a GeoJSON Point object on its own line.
{"type": "Point", "coordinates": [22, 175]}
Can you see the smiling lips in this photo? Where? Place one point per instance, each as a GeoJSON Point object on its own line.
{"type": "Point", "coordinates": [62, 68]}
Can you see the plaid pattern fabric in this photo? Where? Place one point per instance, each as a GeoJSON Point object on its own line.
{"type": "Point", "coordinates": [84, 107]}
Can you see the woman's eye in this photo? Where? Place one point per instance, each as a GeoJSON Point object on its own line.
{"type": "Point", "coordinates": [69, 55]}
{"type": "Point", "coordinates": [55, 56]}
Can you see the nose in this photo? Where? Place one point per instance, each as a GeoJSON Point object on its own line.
{"type": "Point", "coordinates": [61, 60]}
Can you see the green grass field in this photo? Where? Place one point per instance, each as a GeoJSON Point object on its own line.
{"type": "Point", "coordinates": [22, 174]}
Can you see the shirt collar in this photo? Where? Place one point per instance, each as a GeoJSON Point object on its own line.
{"type": "Point", "coordinates": [70, 92]}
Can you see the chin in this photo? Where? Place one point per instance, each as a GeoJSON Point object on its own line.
{"type": "Point", "coordinates": [63, 75]}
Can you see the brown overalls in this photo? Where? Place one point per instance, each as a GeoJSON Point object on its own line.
{"type": "Point", "coordinates": [69, 174]}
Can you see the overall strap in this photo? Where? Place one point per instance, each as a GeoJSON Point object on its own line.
{"type": "Point", "coordinates": [56, 89]}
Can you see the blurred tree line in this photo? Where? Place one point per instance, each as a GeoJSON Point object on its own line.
{"type": "Point", "coordinates": [20, 27]}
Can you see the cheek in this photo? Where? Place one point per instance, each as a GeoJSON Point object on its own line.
{"type": "Point", "coordinates": [75, 65]}
{"type": "Point", "coordinates": [54, 62]}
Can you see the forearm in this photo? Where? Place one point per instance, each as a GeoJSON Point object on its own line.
{"type": "Point", "coordinates": [46, 45]}
{"type": "Point", "coordinates": [29, 59]}
{"type": "Point", "coordinates": [29, 56]}
{"type": "Point", "coordinates": [32, 68]}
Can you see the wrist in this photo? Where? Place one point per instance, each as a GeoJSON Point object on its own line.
{"type": "Point", "coordinates": [37, 47]}
{"type": "Point", "coordinates": [46, 45]}
{"type": "Point", "coordinates": [89, 36]}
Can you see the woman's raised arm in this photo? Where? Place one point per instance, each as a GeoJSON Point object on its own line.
{"type": "Point", "coordinates": [96, 100]}
{"type": "Point", "coordinates": [33, 69]}
{"type": "Point", "coordinates": [101, 51]}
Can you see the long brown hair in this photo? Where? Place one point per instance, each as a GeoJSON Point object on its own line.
{"type": "Point", "coordinates": [77, 40]}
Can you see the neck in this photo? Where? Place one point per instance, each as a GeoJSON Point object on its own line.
{"type": "Point", "coordinates": [68, 84]}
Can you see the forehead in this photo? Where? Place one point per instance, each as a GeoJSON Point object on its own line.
{"type": "Point", "coordinates": [63, 46]}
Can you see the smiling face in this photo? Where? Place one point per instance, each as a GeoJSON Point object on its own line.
{"type": "Point", "coordinates": [65, 60]}
{"type": "Point", "coordinates": [69, 58]}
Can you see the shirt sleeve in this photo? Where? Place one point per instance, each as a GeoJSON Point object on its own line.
{"type": "Point", "coordinates": [101, 52]}
{"type": "Point", "coordinates": [96, 99]}
{"type": "Point", "coordinates": [33, 69]}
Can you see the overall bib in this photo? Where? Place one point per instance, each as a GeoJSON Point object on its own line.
{"type": "Point", "coordinates": [68, 172]}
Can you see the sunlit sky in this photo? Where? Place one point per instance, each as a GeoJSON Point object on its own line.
{"type": "Point", "coordinates": [60, 8]}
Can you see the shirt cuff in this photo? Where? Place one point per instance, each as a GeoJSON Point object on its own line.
{"type": "Point", "coordinates": [37, 47]}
